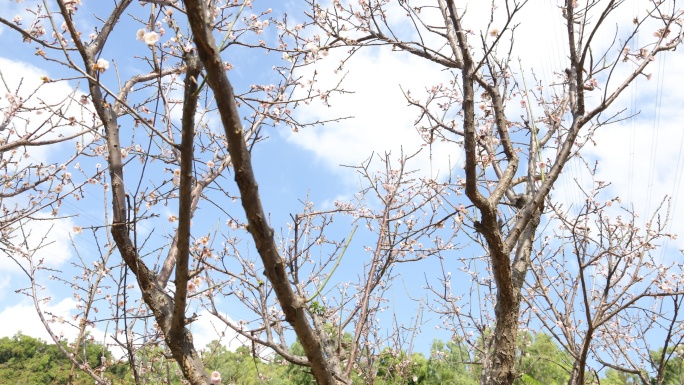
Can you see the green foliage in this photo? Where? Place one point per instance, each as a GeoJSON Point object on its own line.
{"type": "Point", "coordinates": [543, 362]}
{"type": "Point", "coordinates": [528, 380]}
{"type": "Point", "coordinates": [300, 375]}
{"type": "Point", "coordinates": [674, 369]}
{"type": "Point", "coordinates": [26, 360]}
{"type": "Point", "coordinates": [159, 367]}
{"type": "Point", "coordinates": [295, 374]}
{"type": "Point", "coordinates": [242, 368]}
{"type": "Point", "coordinates": [396, 367]}
{"type": "Point", "coordinates": [613, 377]}
{"type": "Point", "coordinates": [447, 365]}
{"type": "Point", "coordinates": [317, 308]}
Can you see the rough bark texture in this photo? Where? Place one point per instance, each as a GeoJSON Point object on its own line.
{"type": "Point", "coordinates": [177, 329]}
{"type": "Point", "coordinates": [507, 302]}
{"type": "Point", "coordinates": [293, 306]}
{"type": "Point", "coordinates": [161, 305]}
{"type": "Point", "coordinates": [178, 338]}
{"type": "Point", "coordinates": [509, 275]}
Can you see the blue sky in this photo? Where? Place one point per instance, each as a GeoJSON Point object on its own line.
{"type": "Point", "coordinates": [642, 157]}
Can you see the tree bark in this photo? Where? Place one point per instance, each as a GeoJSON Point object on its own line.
{"type": "Point", "coordinates": [293, 306]}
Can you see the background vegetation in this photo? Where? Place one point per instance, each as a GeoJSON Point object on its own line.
{"type": "Point", "coordinates": [25, 360]}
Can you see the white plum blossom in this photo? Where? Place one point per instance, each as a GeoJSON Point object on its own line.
{"type": "Point", "coordinates": [101, 65]}
{"type": "Point", "coordinates": [191, 286]}
{"type": "Point", "coordinates": [151, 38]}
{"type": "Point", "coordinates": [311, 46]}
{"type": "Point", "coordinates": [72, 5]}
{"type": "Point", "coordinates": [215, 378]}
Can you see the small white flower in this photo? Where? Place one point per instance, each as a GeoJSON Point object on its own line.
{"type": "Point", "coordinates": [151, 37]}
{"type": "Point", "coordinates": [140, 34]}
{"type": "Point", "coordinates": [215, 378]}
{"type": "Point", "coordinates": [311, 46]}
{"type": "Point", "coordinates": [101, 65]}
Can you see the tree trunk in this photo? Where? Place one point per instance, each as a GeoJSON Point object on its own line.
{"type": "Point", "coordinates": [294, 307]}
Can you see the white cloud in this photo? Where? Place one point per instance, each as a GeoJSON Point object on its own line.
{"type": "Point", "coordinates": [383, 121]}
{"type": "Point", "coordinates": [643, 163]}
{"type": "Point", "coordinates": [23, 318]}
{"type": "Point", "coordinates": [642, 157]}
{"type": "Point", "coordinates": [208, 328]}
{"type": "Point", "coordinates": [49, 237]}
{"type": "Point", "coordinates": [37, 114]}
{"type": "Point", "coordinates": [5, 281]}
{"type": "Point", "coordinates": [12, 9]}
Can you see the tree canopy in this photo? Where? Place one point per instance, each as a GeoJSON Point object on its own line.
{"type": "Point", "coordinates": [155, 163]}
